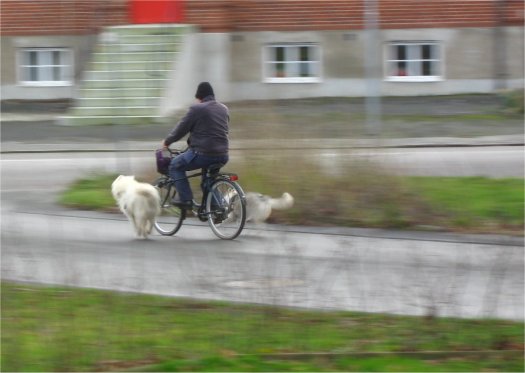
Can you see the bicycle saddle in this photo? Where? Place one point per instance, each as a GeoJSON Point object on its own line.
{"type": "Point", "coordinates": [214, 168]}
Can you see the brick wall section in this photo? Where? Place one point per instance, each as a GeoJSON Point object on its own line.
{"type": "Point", "coordinates": [278, 15]}
{"type": "Point", "coordinates": [450, 13]}
{"type": "Point", "coordinates": [296, 15]}
{"type": "Point", "coordinates": [59, 17]}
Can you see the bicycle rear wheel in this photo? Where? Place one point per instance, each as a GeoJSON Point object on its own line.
{"type": "Point", "coordinates": [226, 209]}
{"type": "Point", "coordinates": [171, 217]}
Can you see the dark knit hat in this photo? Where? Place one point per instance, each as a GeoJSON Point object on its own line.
{"type": "Point", "coordinates": [204, 90]}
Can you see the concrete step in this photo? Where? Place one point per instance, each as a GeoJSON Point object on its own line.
{"type": "Point", "coordinates": [84, 111]}
{"type": "Point", "coordinates": [130, 83]}
{"type": "Point", "coordinates": [167, 47]}
{"type": "Point", "coordinates": [141, 39]}
{"type": "Point", "coordinates": [118, 101]}
{"type": "Point", "coordinates": [130, 65]}
{"type": "Point", "coordinates": [108, 120]}
{"type": "Point", "coordinates": [125, 57]}
{"type": "Point", "coordinates": [126, 74]}
{"type": "Point", "coordinates": [149, 29]}
{"type": "Point", "coordinates": [120, 92]}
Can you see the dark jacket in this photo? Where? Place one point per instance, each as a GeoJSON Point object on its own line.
{"type": "Point", "coordinates": [207, 124]}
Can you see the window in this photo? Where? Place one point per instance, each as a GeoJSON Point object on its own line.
{"type": "Point", "coordinates": [292, 63]}
{"type": "Point", "coordinates": [413, 61]}
{"type": "Point", "coordinates": [45, 66]}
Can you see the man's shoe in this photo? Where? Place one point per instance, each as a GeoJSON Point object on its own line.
{"type": "Point", "coordinates": [188, 205]}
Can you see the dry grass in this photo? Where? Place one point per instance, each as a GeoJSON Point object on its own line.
{"type": "Point", "coordinates": [361, 195]}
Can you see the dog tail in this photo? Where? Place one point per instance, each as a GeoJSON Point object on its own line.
{"type": "Point", "coordinates": [284, 202]}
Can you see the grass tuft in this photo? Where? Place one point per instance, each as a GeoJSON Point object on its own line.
{"type": "Point", "coordinates": [91, 193]}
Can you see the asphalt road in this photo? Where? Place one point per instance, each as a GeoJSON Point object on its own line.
{"type": "Point", "coordinates": [365, 270]}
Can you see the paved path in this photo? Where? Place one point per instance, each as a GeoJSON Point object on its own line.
{"type": "Point", "coordinates": [343, 270]}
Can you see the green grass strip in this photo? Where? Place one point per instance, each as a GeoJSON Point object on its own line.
{"type": "Point", "coordinates": [68, 329]}
{"type": "Point", "coordinates": [475, 200]}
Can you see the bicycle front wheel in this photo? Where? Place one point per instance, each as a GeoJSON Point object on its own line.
{"type": "Point", "coordinates": [226, 209]}
{"type": "Point", "coordinates": [170, 219]}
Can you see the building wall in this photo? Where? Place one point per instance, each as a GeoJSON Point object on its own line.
{"type": "Point", "coordinates": [469, 62]}
{"type": "Point", "coordinates": [482, 40]}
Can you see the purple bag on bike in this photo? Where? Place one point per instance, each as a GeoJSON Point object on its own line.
{"type": "Point", "coordinates": [163, 158]}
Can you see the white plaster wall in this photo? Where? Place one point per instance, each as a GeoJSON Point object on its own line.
{"type": "Point", "coordinates": [203, 57]}
{"type": "Point", "coordinates": [177, 94]}
{"type": "Point", "coordinates": [467, 55]}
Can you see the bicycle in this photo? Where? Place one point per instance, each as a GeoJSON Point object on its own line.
{"type": "Point", "coordinates": [223, 203]}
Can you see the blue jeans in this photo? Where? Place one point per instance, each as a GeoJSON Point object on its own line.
{"type": "Point", "coordinates": [188, 161]}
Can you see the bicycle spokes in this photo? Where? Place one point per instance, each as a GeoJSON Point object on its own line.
{"type": "Point", "coordinates": [171, 217]}
{"type": "Point", "coordinates": [223, 206]}
{"type": "Point", "coordinates": [226, 208]}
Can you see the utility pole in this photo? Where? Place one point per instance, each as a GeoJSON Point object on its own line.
{"type": "Point", "coordinates": [372, 68]}
{"type": "Point", "coordinates": [500, 47]}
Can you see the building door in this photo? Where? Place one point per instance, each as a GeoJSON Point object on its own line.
{"type": "Point", "coordinates": [156, 11]}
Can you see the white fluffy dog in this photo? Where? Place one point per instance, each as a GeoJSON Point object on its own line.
{"type": "Point", "coordinates": [259, 207]}
{"type": "Point", "coordinates": [140, 202]}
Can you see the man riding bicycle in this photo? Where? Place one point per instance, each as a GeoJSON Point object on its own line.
{"type": "Point", "coordinates": [207, 125]}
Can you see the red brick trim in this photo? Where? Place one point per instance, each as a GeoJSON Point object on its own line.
{"type": "Point", "coordinates": [58, 17]}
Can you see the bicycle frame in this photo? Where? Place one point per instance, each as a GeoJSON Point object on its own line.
{"type": "Point", "coordinates": [209, 178]}
{"type": "Point", "coordinates": [223, 202]}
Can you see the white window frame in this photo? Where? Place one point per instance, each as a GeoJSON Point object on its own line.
{"type": "Point", "coordinates": [66, 67]}
{"type": "Point", "coordinates": [389, 60]}
{"type": "Point", "coordinates": [269, 60]}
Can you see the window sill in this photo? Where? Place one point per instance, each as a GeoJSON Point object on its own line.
{"type": "Point", "coordinates": [414, 79]}
{"type": "Point", "coordinates": [45, 84]}
{"type": "Point", "coordinates": [292, 80]}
